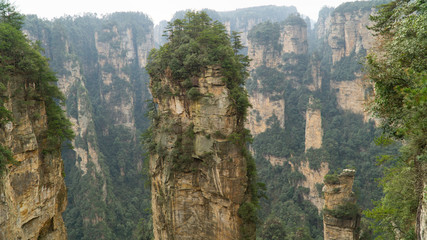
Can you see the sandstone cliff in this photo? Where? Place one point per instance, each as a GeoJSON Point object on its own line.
{"type": "Point", "coordinates": [313, 127]}
{"type": "Point", "coordinates": [280, 54]}
{"type": "Point", "coordinates": [345, 32]}
{"type": "Point", "coordinates": [198, 197]}
{"type": "Point", "coordinates": [264, 106]}
{"type": "Point", "coordinates": [100, 67]}
{"type": "Point", "coordinates": [32, 193]}
{"type": "Point", "coordinates": [341, 217]}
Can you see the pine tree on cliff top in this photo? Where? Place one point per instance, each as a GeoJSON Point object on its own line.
{"type": "Point", "coordinates": [196, 43]}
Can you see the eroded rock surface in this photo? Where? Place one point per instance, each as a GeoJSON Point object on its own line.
{"type": "Point", "coordinates": [197, 196]}
{"type": "Point", "coordinates": [32, 193]}
{"type": "Point", "coordinates": [337, 224]}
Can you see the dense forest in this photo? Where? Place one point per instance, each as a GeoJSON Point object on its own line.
{"type": "Point", "coordinates": [100, 63]}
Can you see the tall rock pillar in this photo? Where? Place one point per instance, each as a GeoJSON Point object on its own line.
{"type": "Point", "coordinates": [199, 178]}
{"type": "Point", "coordinates": [341, 215]}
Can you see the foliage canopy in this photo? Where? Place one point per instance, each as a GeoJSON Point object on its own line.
{"type": "Point", "coordinates": [21, 60]}
{"type": "Point", "coordinates": [399, 73]}
{"type": "Point", "coordinates": [196, 42]}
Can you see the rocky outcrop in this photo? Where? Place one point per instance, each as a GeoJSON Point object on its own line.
{"type": "Point", "coordinates": [341, 217]}
{"type": "Point", "coordinates": [263, 56]}
{"type": "Point", "coordinates": [293, 38]}
{"type": "Point", "coordinates": [293, 41]}
{"type": "Point", "coordinates": [115, 59]}
{"type": "Point", "coordinates": [100, 68]}
{"type": "Point", "coordinates": [81, 115]}
{"type": "Point", "coordinates": [243, 20]}
{"type": "Point", "coordinates": [198, 177]}
{"type": "Point", "coordinates": [351, 96]}
{"type": "Point", "coordinates": [316, 75]}
{"type": "Point", "coordinates": [276, 161]}
{"type": "Point", "coordinates": [313, 178]}
{"type": "Point", "coordinates": [32, 193]}
{"type": "Point", "coordinates": [346, 32]}
{"type": "Point", "coordinates": [313, 127]}
{"type": "Point", "coordinates": [264, 107]}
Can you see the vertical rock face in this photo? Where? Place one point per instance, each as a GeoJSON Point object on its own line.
{"type": "Point", "coordinates": [263, 55]}
{"type": "Point", "coordinates": [32, 194]}
{"type": "Point", "coordinates": [346, 32]}
{"type": "Point", "coordinates": [100, 68]}
{"type": "Point", "coordinates": [312, 179]}
{"type": "Point", "coordinates": [313, 128]}
{"type": "Point", "coordinates": [198, 197]}
{"type": "Point", "coordinates": [340, 218]}
{"type": "Point", "coordinates": [292, 40]}
{"type": "Point", "coordinates": [351, 96]}
{"type": "Point", "coordinates": [264, 106]}
{"type": "Point", "coordinates": [115, 58]}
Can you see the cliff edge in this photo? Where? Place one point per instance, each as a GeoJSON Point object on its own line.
{"type": "Point", "coordinates": [341, 217]}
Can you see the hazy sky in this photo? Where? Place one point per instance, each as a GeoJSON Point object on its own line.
{"type": "Point", "coordinates": [159, 9]}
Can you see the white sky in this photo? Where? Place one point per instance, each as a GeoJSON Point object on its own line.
{"type": "Point", "coordinates": [159, 9]}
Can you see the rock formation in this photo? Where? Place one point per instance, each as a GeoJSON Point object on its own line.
{"type": "Point", "coordinates": [292, 40]}
{"type": "Point", "coordinates": [32, 193]}
{"type": "Point", "coordinates": [341, 217]}
{"type": "Point", "coordinates": [346, 33]}
{"type": "Point", "coordinates": [313, 127]}
{"type": "Point", "coordinates": [264, 106]}
{"type": "Point", "coordinates": [198, 176]}
{"type": "Point", "coordinates": [99, 64]}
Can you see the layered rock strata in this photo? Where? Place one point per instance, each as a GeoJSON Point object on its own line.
{"type": "Point", "coordinates": [198, 176]}
{"type": "Point", "coordinates": [313, 127]}
{"type": "Point", "coordinates": [32, 193]}
{"type": "Point", "coordinates": [293, 41]}
{"type": "Point", "coordinates": [340, 218]}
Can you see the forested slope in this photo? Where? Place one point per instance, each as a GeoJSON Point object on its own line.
{"type": "Point", "coordinates": [307, 118]}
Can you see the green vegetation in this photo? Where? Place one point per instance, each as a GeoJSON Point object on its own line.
{"type": "Point", "coordinates": [359, 6]}
{"type": "Point", "coordinates": [348, 66]}
{"type": "Point", "coordinates": [270, 79]}
{"type": "Point", "coordinates": [399, 72]}
{"type": "Point", "coordinates": [5, 115]}
{"type": "Point", "coordinates": [195, 44]}
{"type": "Point", "coordinates": [295, 19]}
{"type": "Point", "coordinates": [21, 62]}
{"type": "Point", "coordinates": [266, 34]}
{"type": "Point", "coordinates": [6, 157]}
{"type": "Point", "coordinates": [114, 190]}
{"type": "Point", "coordinates": [345, 211]}
{"type": "Point", "coordinates": [347, 140]}
{"type": "Point", "coordinates": [332, 179]}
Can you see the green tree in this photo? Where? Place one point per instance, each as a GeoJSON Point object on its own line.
{"type": "Point", "coordinates": [399, 72]}
{"type": "Point", "coordinates": [9, 15]}
{"type": "Point", "coordinates": [21, 61]}
{"type": "Point", "coordinates": [195, 44]}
